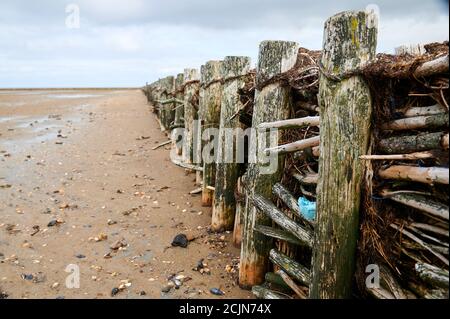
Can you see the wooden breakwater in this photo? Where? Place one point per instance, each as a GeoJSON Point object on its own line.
{"type": "Point", "coordinates": [356, 202]}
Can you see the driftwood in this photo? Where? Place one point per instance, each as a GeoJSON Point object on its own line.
{"type": "Point", "coordinates": [420, 202]}
{"type": "Point", "coordinates": [293, 268]}
{"type": "Point", "coordinates": [305, 235]}
{"type": "Point", "coordinates": [161, 144]}
{"type": "Point", "coordinates": [410, 156]}
{"type": "Point", "coordinates": [264, 293]}
{"type": "Point", "coordinates": [421, 242]}
{"type": "Point", "coordinates": [433, 275]}
{"type": "Point", "coordinates": [292, 284]}
{"type": "Point", "coordinates": [291, 123]}
{"type": "Point", "coordinates": [380, 293]}
{"type": "Point", "coordinates": [187, 165]}
{"type": "Point", "coordinates": [425, 293]}
{"type": "Point", "coordinates": [390, 283]}
{"type": "Point", "coordinates": [413, 143]}
{"type": "Point", "coordinates": [345, 117]}
{"type": "Point", "coordinates": [295, 146]}
{"type": "Point", "coordinates": [436, 66]}
{"type": "Point", "coordinates": [418, 122]}
{"type": "Point", "coordinates": [431, 228]}
{"type": "Point", "coordinates": [276, 279]}
{"type": "Point", "coordinates": [278, 234]}
{"type": "Point", "coordinates": [428, 175]}
{"type": "Point", "coordinates": [425, 110]}
{"type": "Point", "coordinates": [307, 179]}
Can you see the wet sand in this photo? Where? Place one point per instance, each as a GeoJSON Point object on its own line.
{"type": "Point", "coordinates": [84, 158]}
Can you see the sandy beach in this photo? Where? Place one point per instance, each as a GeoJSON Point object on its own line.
{"type": "Point", "coordinates": [80, 185]}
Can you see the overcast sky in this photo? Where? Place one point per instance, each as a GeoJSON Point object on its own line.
{"type": "Point", "coordinates": [129, 42]}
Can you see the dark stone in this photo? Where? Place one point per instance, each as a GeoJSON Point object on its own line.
{"type": "Point", "coordinates": [216, 291]}
{"type": "Point", "coordinates": [180, 240]}
{"type": "Point", "coordinates": [52, 223]}
{"type": "Point", "coordinates": [114, 291]}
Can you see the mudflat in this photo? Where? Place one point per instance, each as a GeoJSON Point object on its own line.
{"type": "Point", "coordinates": [81, 188]}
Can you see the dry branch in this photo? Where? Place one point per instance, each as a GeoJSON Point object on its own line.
{"type": "Point", "coordinates": [428, 175]}
{"type": "Point", "coordinates": [291, 123]}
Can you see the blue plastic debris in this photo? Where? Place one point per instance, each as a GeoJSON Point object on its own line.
{"type": "Point", "coordinates": [307, 208]}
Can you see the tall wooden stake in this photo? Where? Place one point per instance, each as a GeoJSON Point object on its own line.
{"type": "Point", "coordinates": [227, 170]}
{"type": "Point", "coordinates": [178, 123]}
{"type": "Point", "coordinates": [345, 112]}
{"type": "Point", "coordinates": [191, 80]}
{"type": "Point", "coordinates": [209, 116]}
{"type": "Point", "coordinates": [272, 103]}
{"type": "Point", "coordinates": [166, 110]}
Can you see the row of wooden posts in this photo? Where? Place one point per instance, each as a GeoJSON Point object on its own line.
{"type": "Point", "coordinates": [212, 97]}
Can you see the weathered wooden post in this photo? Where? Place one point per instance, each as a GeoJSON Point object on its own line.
{"type": "Point", "coordinates": [178, 122]}
{"type": "Point", "coordinates": [166, 108]}
{"type": "Point", "coordinates": [235, 68]}
{"type": "Point", "coordinates": [345, 114]}
{"type": "Point", "coordinates": [209, 116]}
{"type": "Point", "coordinates": [191, 82]}
{"type": "Point", "coordinates": [272, 103]}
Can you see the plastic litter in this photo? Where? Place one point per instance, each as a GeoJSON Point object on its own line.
{"type": "Point", "coordinates": [307, 208]}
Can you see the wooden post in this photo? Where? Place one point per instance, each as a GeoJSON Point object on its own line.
{"type": "Point", "coordinates": [227, 171]}
{"type": "Point", "coordinates": [272, 103]}
{"type": "Point", "coordinates": [166, 110]}
{"type": "Point", "coordinates": [178, 123]}
{"type": "Point", "coordinates": [191, 81]}
{"type": "Point", "coordinates": [209, 116]}
{"type": "Point", "coordinates": [345, 114]}
{"type": "Point", "coordinates": [240, 207]}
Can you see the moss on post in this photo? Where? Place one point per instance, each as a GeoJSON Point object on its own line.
{"type": "Point", "coordinates": [345, 113]}
{"type": "Point", "coordinates": [272, 103]}
{"type": "Point", "coordinates": [227, 169]}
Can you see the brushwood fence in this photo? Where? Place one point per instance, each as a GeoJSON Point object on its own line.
{"type": "Point", "coordinates": [356, 200]}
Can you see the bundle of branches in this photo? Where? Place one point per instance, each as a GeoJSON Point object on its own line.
{"type": "Point", "coordinates": [404, 222]}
